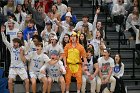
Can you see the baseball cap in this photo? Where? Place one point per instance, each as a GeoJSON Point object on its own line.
{"type": "Point", "coordinates": [54, 52]}
{"type": "Point", "coordinates": [68, 14]}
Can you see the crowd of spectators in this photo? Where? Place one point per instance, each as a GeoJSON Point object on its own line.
{"type": "Point", "coordinates": [46, 34]}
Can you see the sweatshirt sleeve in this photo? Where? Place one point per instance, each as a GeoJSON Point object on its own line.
{"type": "Point", "coordinates": [31, 9]}
{"type": "Point", "coordinates": [44, 67]}
{"type": "Point", "coordinates": [8, 45]}
{"type": "Point", "coordinates": [129, 19]}
{"type": "Point", "coordinates": [134, 28]}
{"type": "Point", "coordinates": [122, 71]}
{"type": "Point", "coordinates": [94, 26]}
{"type": "Point", "coordinates": [25, 35]}
{"type": "Point", "coordinates": [62, 67]}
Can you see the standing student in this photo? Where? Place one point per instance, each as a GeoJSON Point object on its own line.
{"type": "Point", "coordinates": [73, 52]}
{"type": "Point", "coordinates": [17, 65]}
{"type": "Point", "coordinates": [38, 16]}
{"type": "Point", "coordinates": [55, 71]}
{"type": "Point", "coordinates": [54, 45]}
{"type": "Point", "coordinates": [37, 59]}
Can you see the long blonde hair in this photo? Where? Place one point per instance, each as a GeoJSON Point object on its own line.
{"type": "Point", "coordinates": [11, 5]}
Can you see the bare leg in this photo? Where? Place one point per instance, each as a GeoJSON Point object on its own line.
{"type": "Point", "coordinates": [62, 82]}
{"type": "Point", "coordinates": [27, 85]}
{"type": "Point", "coordinates": [44, 80]}
{"type": "Point", "coordinates": [79, 87]}
{"type": "Point", "coordinates": [67, 87]}
{"type": "Point", "coordinates": [49, 84]}
{"type": "Point", "coordinates": [10, 85]}
{"type": "Point", "coordinates": [33, 80]}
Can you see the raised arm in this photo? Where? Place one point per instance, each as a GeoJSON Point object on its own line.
{"type": "Point", "coordinates": [128, 21]}
{"type": "Point", "coordinates": [30, 8]}
{"type": "Point", "coordinates": [62, 68]}
{"type": "Point", "coordinates": [94, 22]}
{"type": "Point", "coordinates": [22, 56]}
{"type": "Point", "coordinates": [8, 45]}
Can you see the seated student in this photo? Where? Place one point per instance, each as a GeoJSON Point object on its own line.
{"type": "Point", "coordinates": [106, 65]}
{"type": "Point", "coordinates": [16, 65]}
{"type": "Point", "coordinates": [92, 78]}
{"type": "Point", "coordinates": [37, 60]}
{"type": "Point", "coordinates": [118, 73]}
{"type": "Point", "coordinates": [55, 71]}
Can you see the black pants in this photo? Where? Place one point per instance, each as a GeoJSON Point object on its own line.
{"type": "Point", "coordinates": [119, 19]}
{"type": "Point", "coordinates": [138, 47]}
{"type": "Point", "coordinates": [120, 88]}
{"type": "Point", "coordinates": [133, 34]}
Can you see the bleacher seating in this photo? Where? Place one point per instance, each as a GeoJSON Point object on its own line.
{"type": "Point", "coordinates": [131, 80]}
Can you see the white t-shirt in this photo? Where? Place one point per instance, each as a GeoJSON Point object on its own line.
{"type": "Point", "coordinates": [105, 65]}
{"type": "Point", "coordinates": [62, 9]}
{"type": "Point", "coordinates": [46, 36]}
{"type": "Point", "coordinates": [64, 23]}
{"type": "Point", "coordinates": [96, 45]}
{"type": "Point", "coordinates": [36, 61]}
{"type": "Point", "coordinates": [79, 26]}
{"type": "Point", "coordinates": [12, 33]}
{"type": "Point", "coordinates": [54, 70]}
{"type": "Point", "coordinates": [15, 53]}
{"type": "Point", "coordinates": [50, 48]}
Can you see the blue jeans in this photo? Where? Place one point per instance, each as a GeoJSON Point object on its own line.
{"type": "Point", "coordinates": [3, 84]}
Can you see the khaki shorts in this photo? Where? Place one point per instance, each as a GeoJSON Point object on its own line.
{"type": "Point", "coordinates": [36, 75]}
{"type": "Point", "coordinates": [13, 72]}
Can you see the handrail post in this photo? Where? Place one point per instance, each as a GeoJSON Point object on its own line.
{"type": "Point", "coordinates": [81, 4]}
{"type": "Point", "coordinates": [92, 10]}
{"type": "Point", "coordinates": [133, 76]}
{"type": "Point", "coordinates": [106, 22]}
{"type": "Point", "coordinates": [119, 39]}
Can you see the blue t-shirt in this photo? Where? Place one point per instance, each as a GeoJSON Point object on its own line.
{"type": "Point", "coordinates": [27, 31]}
